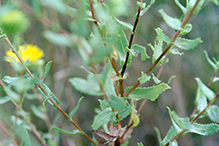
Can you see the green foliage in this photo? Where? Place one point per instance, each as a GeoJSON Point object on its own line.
{"type": "Point", "coordinates": [151, 93]}
{"type": "Point", "coordinates": [99, 33]}
{"type": "Point", "coordinates": [72, 113]}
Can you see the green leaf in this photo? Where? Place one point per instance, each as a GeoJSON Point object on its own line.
{"type": "Point", "coordinates": [99, 55]}
{"type": "Point", "coordinates": [109, 87]}
{"type": "Point", "coordinates": [174, 143]}
{"type": "Point", "coordinates": [158, 135]}
{"type": "Point", "coordinates": [66, 132]}
{"type": "Point", "coordinates": [211, 62]}
{"type": "Point", "coordinates": [186, 44]}
{"type": "Point", "coordinates": [50, 94]}
{"type": "Point", "coordinates": [151, 93]}
{"type": "Point", "coordinates": [180, 6]}
{"type": "Point", "coordinates": [125, 112]}
{"type": "Point", "coordinates": [10, 80]}
{"type": "Point", "coordinates": [71, 114]}
{"type": "Point", "coordinates": [89, 86]}
{"type": "Point", "coordinates": [147, 8]}
{"type": "Point", "coordinates": [104, 74]}
{"type": "Point", "coordinates": [142, 5]}
{"type": "Point", "coordinates": [183, 123]}
{"type": "Point", "coordinates": [191, 4]}
{"type": "Point", "coordinates": [171, 22]}
{"type": "Point", "coordinates": [156, 80]}
{"type": "Point", "coordinates": [22, 132]}
{"type": "Point", "coordinates": [57, 5]}
{"type": "Point", "coordinates": [136, 49]}
{"type": "Point", "coordinates": [122, 42]}
{"type": "Point", "coordinates": [175, 51]}
{"type": "Point", "coordinates": [116, 103]}
{"type": "Point", "coordinates": [12, 94]}
{"type": "Point", "coordinates": [103, 104]}
{"type": "Point", "coordinates": [216, 2]}
{"type": "Point", "coordinates": [171, 134]}
{"type": "Point", "coordinates": [187, 28]}
{"type": "Point", "coordinates": [37, 111]}
{"type": "Point", "coordinates": [157, 48]}
{"type": "Point", "coordinates": [47, 68]}
{"type": "Point", "coordinates": [213, 113]}
{"type": "Point", "coordinates": [4, 99]}
{"type": "Point", "coordinates": [144, 78]}
{"type": "Point", "coordinates": [140, 144]}
{"type": "Point", "coordinates": [127, 25]}
{"type": "Point", "coordinates": [102, 118]}
{"type": "Point", "coordinates": [216, 79]}
{"type": "Point", "coordinates": [170, 79]}
{"type": "Point", "coordinates": [205, 90]}
{"type": "Point", "coordinates": [204, 129]}
{"type": "Point", "coordinates": [175, 125]}
{"type": "Point", "coordinates": [58, 39]}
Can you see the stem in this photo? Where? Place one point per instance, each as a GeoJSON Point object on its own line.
{"type": "Point", "coordinates": [92, 12]}
{"type": "Point", "coordinates": [55, 104]}
{"type": "Point", "coordinates": [184, 22]}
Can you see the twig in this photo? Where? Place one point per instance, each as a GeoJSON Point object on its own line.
{"type": "Point", "coordinates": [184, 22]}
{"type": "Point", "coordinates": [46, 94]}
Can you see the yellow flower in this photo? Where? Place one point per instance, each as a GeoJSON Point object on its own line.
{"type": "Point", "coordinates": [28, 52]}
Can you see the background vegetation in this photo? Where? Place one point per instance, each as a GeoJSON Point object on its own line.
{"type": "Point", "coordinates": [66, 63]}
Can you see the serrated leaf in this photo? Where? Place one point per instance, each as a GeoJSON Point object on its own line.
{"type": "Point", "coordinates": [22, 132]}
{"type": "Point", "coordinates": [204, 129]}
{"type": "Point", "coordinates": [183, 123]}
{"type": "Point", "coordinates": [47, 69]}
{"type": "Point", "coordinates": [144, 78]}
{"type": "Point", "coordinates": [99, 55]}
{"type": "Point", "coordinates": [157, 48]}
{"type": "Point", "coordinates": [211, 62]}
{"type": "Point", "coordinates": [147, 8]}
{"type": "Point", "coordinates": [213, 113]}
{"type": "Point", "coordinates": [136, 49]}
{"type": "Point", "coordinates": [89, 86]}
{"type": "Point", "coordinates": [135, 120]}
{"type": "Point", "coordinates": [127, 25]}
{"type": "Point", "coordinates": [4, 99]}
{"type": "Point", "coordinates": [175, 125]}
{"type": "Point", "coordinates": [171, 134]}
{"type": "Point", "coordinates": [187, 28]}
{"type": "Point", "coordinates": [102, 118]}
{"type": "Point", "coordinates": [125, 112]}
{"type": "Point", "coordinates": [72, 113]}
{"type": "Point", "coordinates": [171, 22]}
{"type": "Point", "coordinates": [186, 44]}
{"type": "Point", "coordinates": [150, 93]}
{"type": "Point", "coordinates": [156, 80]}
{"type": "Point", "coordinates": [191, 4]}
{"type": "Point", "coordinates": [180, 6]}
{"type": "Point", "coordinates": [122, 42]}
{"type": "Point", "coordinates": [50, 94]}
{"type": "Point", "coordinates": [103, 104]}
{"type": "Point", "coordinates": [58, 39]}
{"type": "Point", "coordinates": [38, 112]}
{"type": "Point", "coordinates": [175, 51]}
{"type": "Point", "coordinates": [109, 87]}
{"type": "Point", "coordinates": [116, 103]}
{"type": "Point", "coordinates": [140, 144]}
{"type": "Point", "coordinates": [205, 90]}
{"type": "Point", "coordinates": [66, 132]}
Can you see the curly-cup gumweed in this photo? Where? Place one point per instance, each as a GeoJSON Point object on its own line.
{"type": "Point", "coordinates": [30, 53]}
{"type": "Point", "coordinates": [14, 22]}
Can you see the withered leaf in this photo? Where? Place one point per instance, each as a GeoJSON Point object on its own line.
{"type": "Point", "coordinates": [103, 138]}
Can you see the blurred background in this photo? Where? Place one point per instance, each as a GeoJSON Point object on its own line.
{"type": "Point", "coordinates": [66, 63]}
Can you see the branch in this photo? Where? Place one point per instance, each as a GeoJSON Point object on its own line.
{"type": "Point", "coordinates": [184, 22]}
{"type": "Point", "coordinates": [41, 88]}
